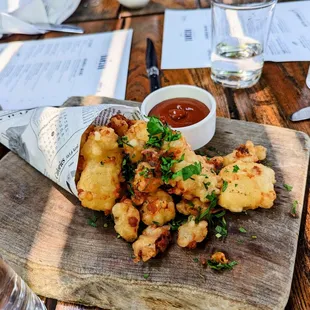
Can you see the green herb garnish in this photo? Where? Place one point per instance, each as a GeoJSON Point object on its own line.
{"type": "Point", "coordinates": [196, 260]}
{"type": "Point", "coordinates": [188, 171]}
{"type": "Point", "coordinates": [123, 140]}
{"type": "Point", "coordinates": [175, 224]}
{"type": "Point", "coordinates": [102, 163]}
{"type": "Point", "coordinates": [146, 276]}
{"type": "Point", "coordinates": [288, 187]}
{"type": "Point", "coordinates": [166, 165]}
{"type": "Point", "coordinates": [220, 214]}
{"type": "Point", "coordinates": [190, 203]}
{"type": "Point", "coordinates": [222, 230]}
{"type": "Point", "coordinates": [236, 168]}
{"type": "Point", "coordinates": [207, 213]}
{"type": "Point", "coordinates": [225, 184]}
{"type": "Point", "coordinates": [219, 266]}
{"type": "Point", "coordinates": [128, 169]}
{"type": "Point", "coordinates": [92, 221]}
{"type": "Point", "coordinates": [144, 172]}
{"type": "Point", "coordinates": [158, 133]}
{"type": "Point", "coordinates": [254, 237]}
{"type": "Point", "coordinates": [105, 225]}
{"type": "Point", "coordinates": [118, 236]}
{"type": "Point", "coordinates": [206, 185]}
{"type": "Point", "coordinates": [156, 223]}
{"type": "Point", "coordinates": [236, 185]}
{"type": "Point", "coordinates": [294, 209]}
{"type": "Point", "coordinates": [243, 230]}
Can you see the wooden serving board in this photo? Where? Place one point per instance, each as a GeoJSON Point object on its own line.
{"type": "Point", "coordinates": [45, 236]}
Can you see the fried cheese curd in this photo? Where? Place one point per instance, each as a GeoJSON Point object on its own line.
{"type": "Point", "coordinates": [99, 183]}
{"type": "Point", "coordinates": [126, 218]}
{"type": "Point", "coordinates": [136, 137]}
{"type": "Point", "coordinates": [220, 258]}
{"type": "Point", "coordinates": [247, 153]}
{"type": "Point", "coordinates": [191, 207]}
{"type": "Point", "coordinates": [152, 241]}
{"type": "Point", "coordinates": [120, 124]}
{"type": "Point", "coordinates": [145, 179]}
{"type": "Point", "coordinates": [190, 233]}
{"type": "Point", "coordinates": [198, 185]}
{"type": "Point", "coordinates": [158, 209]}
{"type": "Point", "coordinates": [251, 187]}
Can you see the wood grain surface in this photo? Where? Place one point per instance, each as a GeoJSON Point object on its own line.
{"type": "Point", "coordinates": [159, 6]}
{"type": "Point", "coordinates": [61, 256]}
{"type": "Point", "coordinates": [89, 10]}
{"type": "Point", "coordinates": [269, 102]}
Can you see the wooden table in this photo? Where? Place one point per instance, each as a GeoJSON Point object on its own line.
{"type": "Point", "coordinates": [280, 92]}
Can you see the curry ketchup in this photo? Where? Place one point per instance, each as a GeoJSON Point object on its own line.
{"type": "Point", "coordinates": [180, 112]}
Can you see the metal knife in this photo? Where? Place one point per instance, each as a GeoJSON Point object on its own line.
{"type": "Point", "coordinates": [59, 28]}
{"type": "Point", "coordinates": [152, 65]}
{"type": "Point", "coordinates": [300, 115]}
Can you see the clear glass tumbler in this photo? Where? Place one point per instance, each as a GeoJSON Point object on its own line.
{"type": "Point", "coordinates": [240, 30]}
{"type": "Point", "coordinates": [15, 293]}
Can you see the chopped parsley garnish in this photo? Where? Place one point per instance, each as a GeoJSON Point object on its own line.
{"type": "Point", "coordinates": [146, 276]}
{"type": "Point", "coordinates": [236, 168]}
{"type": "Point", "coordinates": [102, 163]}
{"type": "Point", "coordinates": [196, 260]}
{"type": "Point", "coordinates": [188, 171]}
{"type": "Point", "coordinates": [158, 133]}
{"type": "Point", "coordinates": [118, 236]}
{"type": "Point", "coordinates": [144, 172]}
{"type": "Point", "coordinates": [254, 237]}
{"type": "Point", "coordinates": [243, 230]}
{"type": "Point", "coordinates": [130, 189]}
{"type": "Point", "coordinates": [123, 140]}
{"type": "Point", "coordinates": [288, 187]}
{"type": "Point", "coordinates": [156, 223]}
{"type": "Point", "coordinates": [207, 213]}
{"type": "Point", "coordinates": [105, 225]}
{"type": "Point", "coordinates": [219, 266]}
{"type": "Point", "coordinates": [128, 169]}
{"type": "Point", "coordinates": [294, 209]}
{"type": "Point", "coordinates": [175, 224]}
{"type": "Point", "coordinates": [225, 184]}
{"type": "Point", "coordinates": [206, 185]}
{"type": "Point", "coordinates": [166, 165]}
{"type": "Point", "coordinates": [236, 185]}
{"type": "Point", "coordinates": [220, 214]}
{"type": "Point", "coordinates": [221, 229]}
{"type": "Point", "coordinates": [92, 221]}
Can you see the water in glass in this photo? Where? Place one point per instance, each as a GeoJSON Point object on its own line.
{"type": "Point", "coordinates": [239, 34]}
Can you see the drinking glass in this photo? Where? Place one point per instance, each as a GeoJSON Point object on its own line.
{"type": "Point", "coordinates": [14, 292]}
{"type": "Point", "coordinates": [240, 30]}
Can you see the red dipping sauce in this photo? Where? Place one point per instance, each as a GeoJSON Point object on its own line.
{"type": "Point", "coordinates": [180, 112]}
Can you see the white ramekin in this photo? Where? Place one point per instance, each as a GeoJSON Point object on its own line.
{"type": "Point", "coordinates": [196, 135]}
{"type": "Point", "coordinates": [134, 4]}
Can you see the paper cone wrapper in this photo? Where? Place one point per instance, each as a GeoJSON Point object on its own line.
{"type": "Point", "coordinates": [49, 138]}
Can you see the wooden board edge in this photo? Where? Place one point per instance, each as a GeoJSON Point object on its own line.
{"type": "Point", "coordinates": [137, 294]}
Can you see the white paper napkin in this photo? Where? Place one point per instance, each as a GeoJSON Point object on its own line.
{"type": "Point", "coordinates": [19, 16]}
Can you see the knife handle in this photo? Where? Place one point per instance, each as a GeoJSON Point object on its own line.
{"type": "Point", "coordinates": [153, 74]}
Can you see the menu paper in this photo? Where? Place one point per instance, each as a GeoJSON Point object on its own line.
{"type": "Point", "coordinates": [49, 138]}
{"type": "Point", "coordinates": [187, 36]}
{"type": "Point", "coordinates": [48, 72]}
